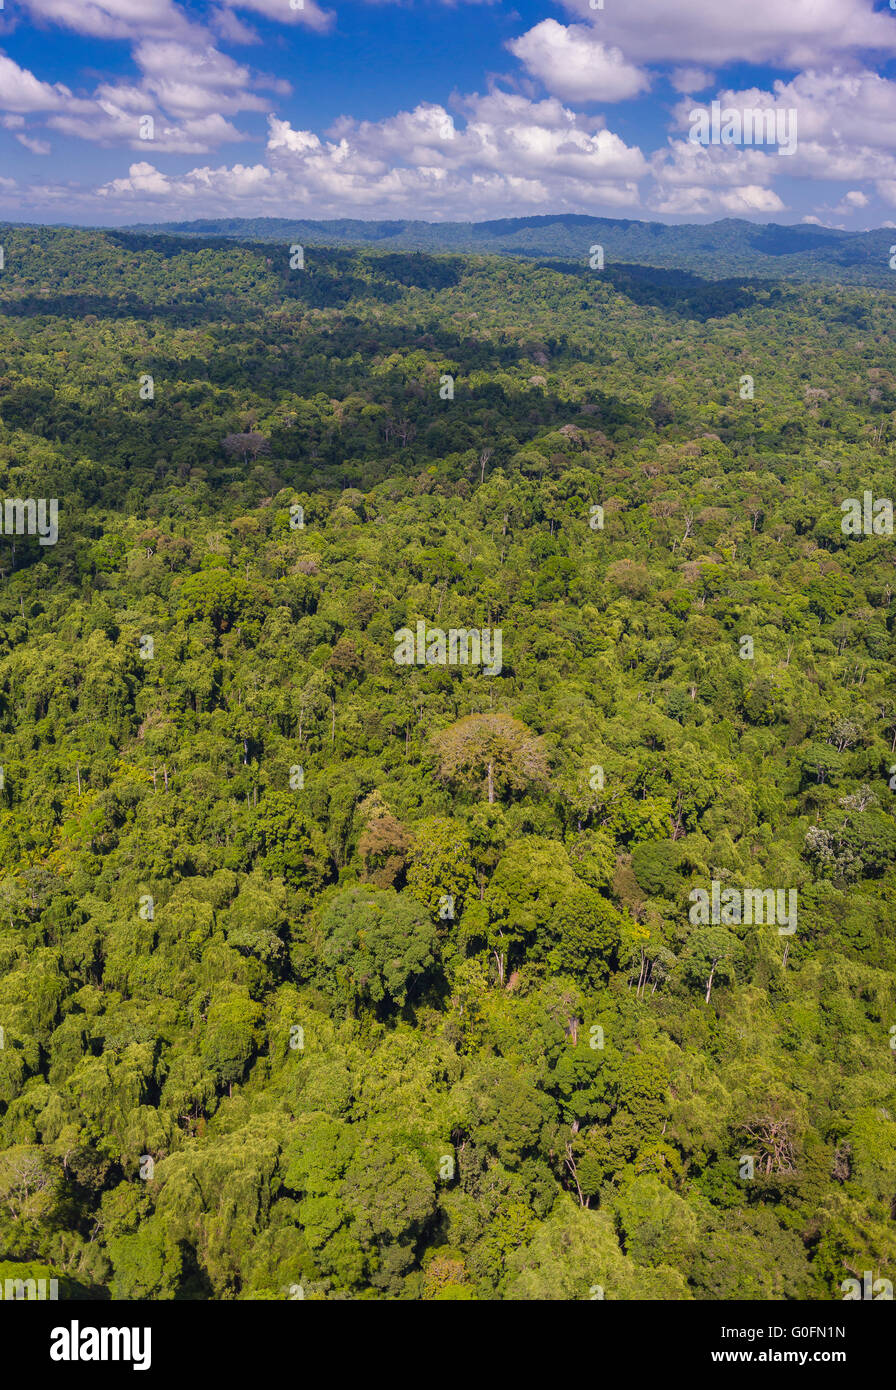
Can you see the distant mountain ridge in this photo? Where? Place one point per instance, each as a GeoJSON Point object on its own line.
{"type": "Point", "coordinates": [717, 250]}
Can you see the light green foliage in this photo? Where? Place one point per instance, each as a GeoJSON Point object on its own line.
{"type": "Point", "coordinates": [379, 944]}
{"type": "Point", "coordinates": [439, 863]}
{"type": "Point", "coordinates": [575, 1255]}
{"type": "Point", "coordinates": [658, 1226]}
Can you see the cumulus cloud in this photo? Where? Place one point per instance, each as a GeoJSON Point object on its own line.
{"type": "Point", "coordinates": [714, 165]}
{"type": "Point", "coordinates": [800, 33]}
{"type": "Point", "coordinates": [186, 81]}
{"type": "Point", "coordinates": [853, 201]}
{"type": "Point", "coordinates": [705, 180]}
{"type": "Point", "coordinates": [114, 19]}
{"type": "Point", "coordinates": [289, 12]}
{"type": "Point", "coordinates": [499, 154]}
{"type": "Point", "coordinates": [187, 89]}
{"type": "Point", "coordinates": [504, 132]}
{"type": "Point", "coordinates": [114, 114]}
{"type": "Point", "coordinates": [109, 124]}
{"type": "Point", "coordinates": [691, 79]}
{"type": "Point", "coordinates": [334, 180]}
{"type": "Point", "coordinates": [511, 156]}
{"type": "Point", "coordinates": [186, 85]}
{"type": "Point", "coordinates": [842, 109]}
{"type": "Point", "coordinates": [142, 178]}
{"type": "Point", "coordinates": [712, 202]}
{"type": "Point", "coordinates": [21, 91]}
{"type": "Point", "coordinates": [572, 63]}
{"type": "Point", "coordinates": [843, 122]}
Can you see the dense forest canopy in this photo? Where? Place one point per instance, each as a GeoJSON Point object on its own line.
{"type": "Point", "coordinates": [323, 975]}
{"type": "Point", "coordinates": [715, 250]}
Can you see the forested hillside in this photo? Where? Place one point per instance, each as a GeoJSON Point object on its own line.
{"type": "Point", "coordinates": [330, 976]}
{"type": "Point", "coordinates": [713, 250]}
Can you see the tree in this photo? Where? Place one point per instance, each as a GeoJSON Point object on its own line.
{"type": "Point", "coordinates": [231, 1036]}
{"type": "Point", "coordinates": [771, 1136]}
{"type": "Point", "coordinates": [575, 1255]}
{"type": "Point", "coordinates": [288, 841]}
{"type": "Point", "coordinates": [249, 444]}
{"type": "Point", "coordinates": [491, 752]}
{"type": "Point", "coordinates": [593, 856]}
{"type": "Point", "coordinates": [658, 1226]}
{"type": "Point", "coordinates": [588, 929]}
{"type": "Point", "coordinates": [502, 1109]}
{"type": "Point", "coordinates": [710, 951]}
{"type": "Point", "coordinates": [214, 594]}
{"type": "Point", "coordinates": [146, 1265]}
{"type": "Point", "coordinates": [416, 1100]}
{"type": "Point", "coordinates": [521, 904]}
{"type": "Point", "coordinates": [655, 865]}
{"type": "Point", "coordinates": [382, 946]}
{"type": "Point", "coordinates": [28, 1180]}
{"type": "Point", "coordinates": [439, 863]}
{"type": "Point", "coordinates": [383, 843]}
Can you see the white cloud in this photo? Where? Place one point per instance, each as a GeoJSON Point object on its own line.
{"type": "Point", "coordinates": [512, 156]}
{"type": "Point", "coordinates": [114, 19]}
{"type": "Point", "coordinates": [573, 64]}
{"type": "Point", "coordinates": [109, 124]}
{"type": "Point", "coordinates": [842, 109]}
{"type": "Point", "coordinates": [843, 123]}
{"type": "Point", "coordinates": [282, 137]}
{"type": "Point", "coordinates": [685, 164]}
{"type": "Point", "coordinates": [751, 198]}
{"type": "Point", "coordinates": [20, 90]}
{"type": "Point", "coordinates": [793, 34]}
{"type": "Point", "coordinates": [504, 133]}
{"type": "Point", "coordinates": [696, 201]}
{"type": "Point", "coordinates": [187, 85]}
{"type": "Point", "coordinates": [282, 11]}
{"type": "Point", "coordinates": [500, 154]}
{"type": "Point", "coordinates": [188, 90]}
{"type": "Point", "coordinates": [231, 28]}
{"type": "Point", "coordinates": [714, 180]}
{"type": "Point", "coordinates": [691, 79]}
{"type": "Point", "coordinates": [33, 144]}
{"type": "Point", "coordinates": [188, 81]}
{"type": "Point", "coordinates": [142, 178]}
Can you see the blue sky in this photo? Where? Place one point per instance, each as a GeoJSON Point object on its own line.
{"type": "Point", "coordinates": [118, 111]}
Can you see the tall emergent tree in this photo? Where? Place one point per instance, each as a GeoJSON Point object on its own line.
{"type": "Point", "coordinates": [491, 752]}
